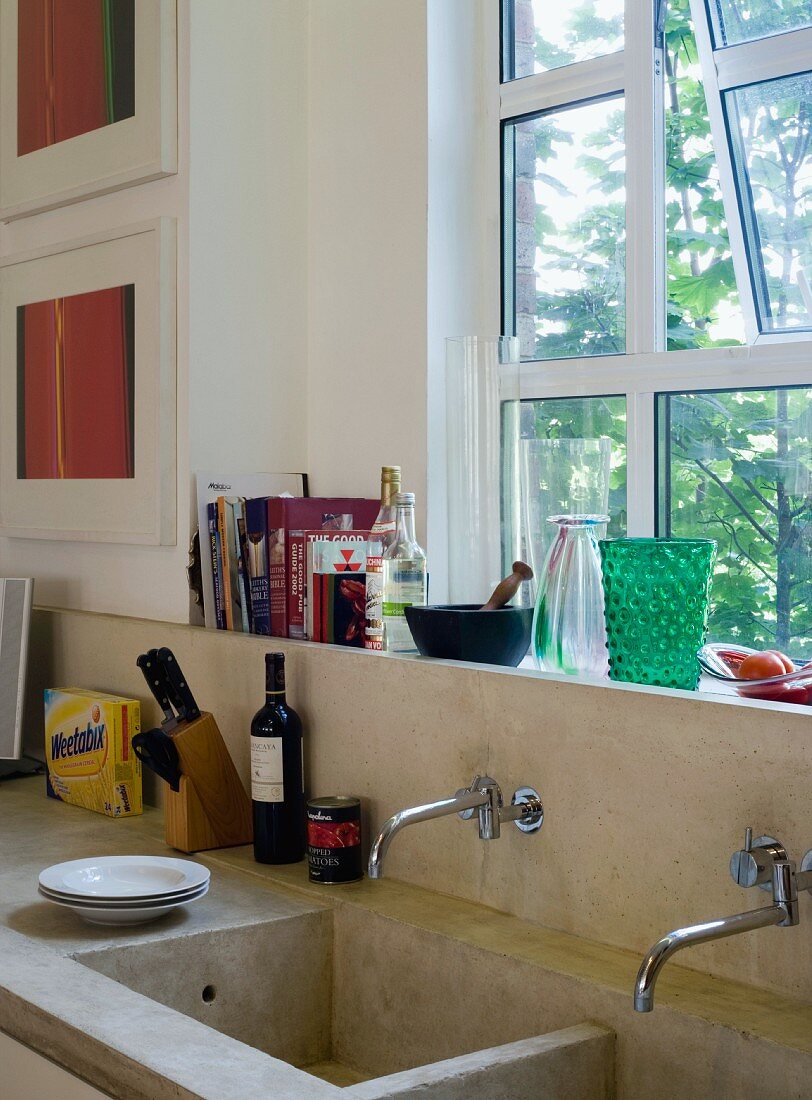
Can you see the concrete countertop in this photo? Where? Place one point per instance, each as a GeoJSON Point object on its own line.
{"type": "Point", "coordinates": [118, 1040]}
{"type": "Point", "coordinates": [128, 1045]}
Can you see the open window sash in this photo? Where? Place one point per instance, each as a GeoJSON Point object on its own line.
{"type": "Point", "coordinates": [766, 184]}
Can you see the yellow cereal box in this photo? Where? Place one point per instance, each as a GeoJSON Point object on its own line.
{"type": "Point", "coordinates": [88, 749]}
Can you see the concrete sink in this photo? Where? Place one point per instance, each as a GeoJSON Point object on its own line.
{"type": "Point", "coordinates": [374, 1006]}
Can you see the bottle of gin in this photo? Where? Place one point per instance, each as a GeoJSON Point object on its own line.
{"type": "Point", "coordinates": [405, 580]}
{"type": "Point", "coordinates": [381, 534]}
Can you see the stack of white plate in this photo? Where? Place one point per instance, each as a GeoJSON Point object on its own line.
{"type": "Point", "coordinates": [124, 889]}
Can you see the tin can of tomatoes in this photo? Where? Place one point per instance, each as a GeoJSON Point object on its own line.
{"type": "Point", "coordinates": [334, 839]}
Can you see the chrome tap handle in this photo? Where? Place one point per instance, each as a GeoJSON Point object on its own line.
{"type": "Point", "coordinates": [466, 815]}
{"type": "Point", "coordinates": [489, 811]}
{"type": "Point", "coordinates": [752, 865]}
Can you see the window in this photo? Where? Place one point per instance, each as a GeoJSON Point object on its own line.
{"type": "Point", "coordinates": [538, 39]}
{"type": "Point", "coordinates": [657, 248]}
{"type": "Point", "coordinates": [567, 176]}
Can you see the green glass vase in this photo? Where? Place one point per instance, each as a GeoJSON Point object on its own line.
{"type": "Point", "coordinates": [656, 599]}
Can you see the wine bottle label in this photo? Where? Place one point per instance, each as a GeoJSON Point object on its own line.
{"type": "Point", "coordinates": [267, 777]}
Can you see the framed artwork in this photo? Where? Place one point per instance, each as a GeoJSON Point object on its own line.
{"type": "Point", "coordinates": [87, 389]}
{"type": "Point", "coordinates": [88, 99]}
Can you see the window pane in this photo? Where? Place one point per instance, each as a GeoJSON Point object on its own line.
{"type": "Point", "coordinates": [703, 303]}
{"type": "Point", "coordinates": [737, 467]}
{"type": "Point", "coordinates": [743, 20]}
{"type": "Point", "coordinates": [566, 204]}
{"type": "Point", "coordinates": [772, 148]}
{"type": "Point", "coordinates": [542, 35]}
{"type": "Point", "coordinates": [572, 460]}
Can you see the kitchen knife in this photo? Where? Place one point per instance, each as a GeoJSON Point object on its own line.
{"type": "Point", "coordinates": [179, 691]}
{"type": "Point", "coordinates": [157, 683]}
{"type": "Point", "coordinates": [158, 751]}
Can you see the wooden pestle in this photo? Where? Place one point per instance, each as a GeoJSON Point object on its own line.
{"type": "Point", "coordinates": [507, 589]}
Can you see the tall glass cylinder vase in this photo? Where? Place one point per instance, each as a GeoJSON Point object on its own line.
{"type": "Point", "coordinates": [560, 477]}
{"type": "Point", "coordinates": [481, 439]}
{"type": "Point", "coordinates": [569, 633]}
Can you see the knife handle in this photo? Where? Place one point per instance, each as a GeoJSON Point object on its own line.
{"type": "Point", "coordinates": [148, 664]}
{"type": "Point", "coordinates": [177, 681]}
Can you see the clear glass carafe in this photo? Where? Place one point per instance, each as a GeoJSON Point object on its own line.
{"type": "Point", "coordinates": [569, 632]}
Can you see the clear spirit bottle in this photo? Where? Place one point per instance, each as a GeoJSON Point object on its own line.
{"type": "Point", "coordinates": [405, 579]}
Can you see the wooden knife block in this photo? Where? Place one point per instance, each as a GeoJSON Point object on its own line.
{"type": "Point", "coordinates": [211, 809]}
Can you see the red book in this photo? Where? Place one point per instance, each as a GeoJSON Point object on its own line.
{"type": "Point", "coordinates": [287, 564]}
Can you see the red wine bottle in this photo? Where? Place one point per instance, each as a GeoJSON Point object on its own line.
{"type": "Point", "coordinates": [277, 783]}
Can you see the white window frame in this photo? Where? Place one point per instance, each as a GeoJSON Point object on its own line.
{"type": "Point", "coordinates": [646, 369]}
{"type": "Point", "coordinates": [724, 69]}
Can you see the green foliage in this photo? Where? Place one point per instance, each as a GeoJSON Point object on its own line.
{"type": "Point", "coordinates": [590, 418]}
{"type": "Point", "coordinates": [734, 466]}
{"type": "Point", "coordinates": [737, 469]}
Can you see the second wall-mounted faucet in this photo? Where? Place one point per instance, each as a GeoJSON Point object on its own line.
{"type": "Point", "coordinates": [762, 862]}
{"type": "Point", "coordinates": [483, 798]}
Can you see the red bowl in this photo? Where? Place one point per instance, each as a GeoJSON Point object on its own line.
{"type": "Point", "coordinates": [724, 661]}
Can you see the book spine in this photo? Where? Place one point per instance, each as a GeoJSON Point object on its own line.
{"type": "Point", "coordinates": [233, 591]}
{"type": "Point", "coordinates": [216, 569]}
{"type": "Point", "coordinates": [316, 613]}
{"type": "Point", "coordinates": [277, 570]}
{"type": "Point", "coordinates": [224, 558]}
{"type": "Point", "coordinates": [297, 571]}
{"type": "Point", "coordinates": [242, 577]}
{"type": "Point", "coordinates": [323, 579]}
{"type": "Point", "coordinates": [257, 557]}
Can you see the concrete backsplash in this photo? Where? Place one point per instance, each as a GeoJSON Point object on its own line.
{"type": "Point", "coordinates": [646, 793]}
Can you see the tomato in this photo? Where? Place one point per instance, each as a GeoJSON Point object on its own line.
{"type": "Point", "coordinates": [789, 664]}
{"type": "Point", "coordinates": [760, 666]}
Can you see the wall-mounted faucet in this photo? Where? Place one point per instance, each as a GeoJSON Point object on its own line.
{"type": "Point", "coordinates": [761, 862]}
{"type": "Point", "coordinates": [483, 797]}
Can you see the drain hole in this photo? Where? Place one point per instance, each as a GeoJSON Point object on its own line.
{"type": "Point", "coordinates": [208, 994]}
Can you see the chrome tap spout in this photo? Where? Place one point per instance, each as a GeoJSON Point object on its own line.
{"type": "Point", "coordinates": [483, 797]}
{"type": "Point", "coordinates": [465, 800]}
{"type": "Point", "coordinates": [662, 951]}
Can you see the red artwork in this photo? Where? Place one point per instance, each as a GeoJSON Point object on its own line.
{"type": "Point", "coordinates": [75, 386]}
{"type": "Point", "coordinates": [75, 68]}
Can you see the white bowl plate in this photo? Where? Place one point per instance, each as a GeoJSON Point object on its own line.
{"type": "Point", "coordinates": [125, 914]}
{"type": "Point", "coordinates": [118, 903]}
{"type": "Point", "coordinates": [117, 877]}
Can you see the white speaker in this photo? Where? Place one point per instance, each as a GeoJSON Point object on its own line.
{"type": "Point", "coordinates": [16, 595]}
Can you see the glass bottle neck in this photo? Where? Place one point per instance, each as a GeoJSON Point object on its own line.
{"type": "Point", "coordinates": [275, 680]}
{"type": "Point", "coordinates": [389, 486]}
{"type": "Point", "coordinates": [404, 524]}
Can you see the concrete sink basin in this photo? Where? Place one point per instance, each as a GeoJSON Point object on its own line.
{"type": "Point", "coordinates": [371, 1005]}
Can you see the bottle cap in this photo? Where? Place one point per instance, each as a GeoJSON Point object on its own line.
{"type": "Point", "coordinates": [390, 473]}
{"type": "Point", "coordinates": [405, 500]}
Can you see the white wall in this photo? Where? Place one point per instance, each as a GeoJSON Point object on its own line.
{"type": "Point", "coordinates": [240, 203]}
{"type": "Point", "coordinates": [314, 289]}
{"type": "Point", "coordinates": [248, 235]}
{"type": "Point", "coordinates": [367, 189]}
{"type": "Point", "coordinates": [133, 580]}
{"type": "Point", "coordinates": [463, 247]}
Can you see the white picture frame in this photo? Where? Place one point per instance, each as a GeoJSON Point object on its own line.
{"type": "Point", "coordinates": [133, 150]}
{"type": "Point", "coordinates": [137, 510]}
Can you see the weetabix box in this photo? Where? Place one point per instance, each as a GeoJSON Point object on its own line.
{"type": "Point", "coordinates": [89, 753]}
